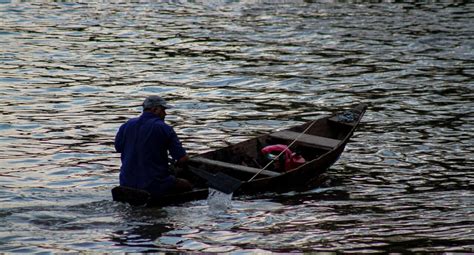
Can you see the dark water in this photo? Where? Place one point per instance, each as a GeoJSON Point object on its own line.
{"type": "Point", "coordinates": [71, 73]}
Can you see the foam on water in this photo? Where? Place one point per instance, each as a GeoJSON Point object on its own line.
{"type": "Point", "coordinates": [218, 201]}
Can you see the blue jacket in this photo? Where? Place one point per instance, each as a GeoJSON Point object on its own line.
{"type": "Point", "coordinates": [144, 143]}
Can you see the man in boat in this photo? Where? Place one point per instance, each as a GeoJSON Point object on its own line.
{"type": "Point", "coordinates": [144, 143]}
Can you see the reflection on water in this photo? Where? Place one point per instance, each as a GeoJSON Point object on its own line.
{"type": "Point", "coordinates": [71, 73]}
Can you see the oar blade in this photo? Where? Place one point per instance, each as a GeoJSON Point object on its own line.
{"type": "Point", "coordinates": [220, 181]}
{"type": "Point", "coordinates": [225, 183]}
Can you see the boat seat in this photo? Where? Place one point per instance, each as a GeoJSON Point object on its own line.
{"type": "Point", "coordinates": [222, 164]}
{"type": "Point", "coordinates": [307, 140]}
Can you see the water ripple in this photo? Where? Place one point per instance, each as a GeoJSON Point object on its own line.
{"type": "Point", "coordinates": [71, 73]}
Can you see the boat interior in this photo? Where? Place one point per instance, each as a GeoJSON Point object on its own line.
{"type": "Point", "coordinates": [243, 160]}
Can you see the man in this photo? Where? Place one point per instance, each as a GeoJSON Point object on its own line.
{"type": "Point", "coordinates": [144, 143]}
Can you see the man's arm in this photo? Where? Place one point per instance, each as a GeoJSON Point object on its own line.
{"type": "Point", "coordinates": [176, 149]}
{"type": "Point", "coordinates": [119, 140]}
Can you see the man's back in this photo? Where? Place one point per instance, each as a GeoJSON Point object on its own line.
{"type": "Point", "coordinates": [144, 143]}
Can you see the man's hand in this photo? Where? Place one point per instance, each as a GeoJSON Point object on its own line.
{"type": "Point", "coordinates": [182, 161]}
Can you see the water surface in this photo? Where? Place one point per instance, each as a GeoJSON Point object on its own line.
{"type": "Point", "coordinates": [71, 73]}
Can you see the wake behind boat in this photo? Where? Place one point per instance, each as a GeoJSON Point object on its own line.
{"type": "Point", "coordinates": [281, 161]}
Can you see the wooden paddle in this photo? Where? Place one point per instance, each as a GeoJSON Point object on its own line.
{"type": "Point", "coordinates": [220, 181]}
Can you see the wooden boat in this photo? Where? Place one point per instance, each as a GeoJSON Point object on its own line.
{"type": "Point", "coordinates": [320, 142]}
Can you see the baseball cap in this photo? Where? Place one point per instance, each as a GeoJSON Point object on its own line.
{"type": "Point", "coordinates": [155, 101]}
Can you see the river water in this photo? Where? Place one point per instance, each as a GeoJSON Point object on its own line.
{"type": "Point", "coordinates": [72, 72]}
